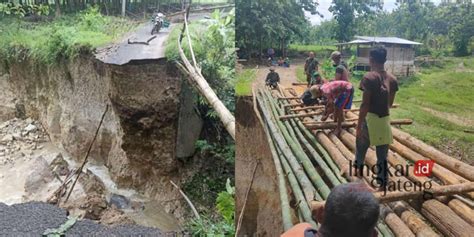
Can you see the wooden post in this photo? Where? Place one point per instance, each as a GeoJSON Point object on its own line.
{"type": "Point", "coordinates": [456, 166]}
{"type": "Point", "coordinates": [446, 219]}
{"type": "Point", "coordinates": [332, 125]}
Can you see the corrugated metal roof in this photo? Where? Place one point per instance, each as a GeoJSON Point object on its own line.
{"type": "Point", "coordinates": [375, 39]}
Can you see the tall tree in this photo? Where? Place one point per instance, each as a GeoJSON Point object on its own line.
{"type": "Point", "coordinates": [345, 13]}
{"type": "Point", "coordinates": [267, 23]}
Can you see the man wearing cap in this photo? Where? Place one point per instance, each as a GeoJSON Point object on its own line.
{"type": "Point", "coordinates": [339, 96]}
{"type": "Point", "coordinates": [340, 66]}
{"type": "Point", "coordinates": [272, 79]}
{"type": "Point", "coordinates": [310, 65]}
{"type": "Point", "coordinates": [373, 128]}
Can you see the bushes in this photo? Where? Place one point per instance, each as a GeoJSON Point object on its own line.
{"type": "Point", "coordinates": [63, 38]}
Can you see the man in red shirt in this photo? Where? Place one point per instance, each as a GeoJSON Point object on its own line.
{"type": "Point", "coordinates": [339, 95]}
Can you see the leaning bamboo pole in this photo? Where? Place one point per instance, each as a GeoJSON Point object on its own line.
{"type": "Point", "coordinates": [201, 84]}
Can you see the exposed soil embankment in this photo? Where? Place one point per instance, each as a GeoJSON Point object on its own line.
{"type": "Point", "coordinates": [139, 136]}
{"type": "Point", "coordinates": [263, 205]}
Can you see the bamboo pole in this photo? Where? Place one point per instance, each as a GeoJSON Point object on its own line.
{"type": "Point", "coordinates": [201, 84]}
{"type": "Point", "coordinates": [446, 190]}
{"type": "Point", "coordinates": [456, 166]}
{"type": "Point", "coordinates": [332, 125]}
{"type": "Point", "coordinates": [381, 228]}
{"type": "Point", "coordinates": [294, 105]}
{"type": "Point", "coordinates": [302, 157]}
{"type": "Point", "coordinates": [446, 219]}
{"type": "Point", "coordinates": [307, 108]}
{"type": "Point", "coordinates": [288, 116]}
{"type": "Point", "coordinates": [308, 189]}
{"type": "Point", "coordinates": [285, 204]}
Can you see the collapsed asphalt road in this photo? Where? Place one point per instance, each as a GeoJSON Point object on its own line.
{"type": "Point", "coordinates": [34, 218]}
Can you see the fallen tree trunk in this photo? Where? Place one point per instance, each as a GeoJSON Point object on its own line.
{"type": "Point", "coordinates": [456, 166]}
{"type": "Point", "coordinates": [446, 220]}
{"type": "Point", "coordinates": [462, 210]}
{"type": "Point", "coordinates": [414, 222]}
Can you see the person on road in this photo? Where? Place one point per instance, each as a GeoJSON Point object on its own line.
{"type": "Point", "coordinates": [310, 65]}
{"type": "Point", "coordinates": [340, 66]}
{"type": "Point", "coordinates": [350, 210]}
{"type": "Point", "coordinates": [373, 128]}
{"type": "Point", "coordinates": [272, 79]}
{"type": "Point", "coordinates": [339, 95]}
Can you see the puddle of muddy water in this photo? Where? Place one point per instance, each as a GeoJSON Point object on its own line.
{"type": "Point", "coordinates": [152, 214]}
{"type": "Point", "coordinates": [15, 169]}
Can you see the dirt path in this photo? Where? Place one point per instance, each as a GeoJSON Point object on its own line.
{"type": "Point", "coordinates": [287, 76]}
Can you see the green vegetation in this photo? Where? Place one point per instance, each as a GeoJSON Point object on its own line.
{"type": "Point", "coordinates": [311, 47]}
{"type": "Point", "coordinates": [300, 76]}
{"type": "Point", "coordinates": [444, 29]}
{"type": "Point", "coordinates": [244, 81]}
{"type": "Point", "coordinates": [213, 42]}
{"type": "Point", "coordinates": [225, 204]}
{"type": "Point", "coordinates": [436, 99]}
{"type": "Point", "coordinates": [63, 38]}
{"type": "Point", "coordinates": [266, 23]}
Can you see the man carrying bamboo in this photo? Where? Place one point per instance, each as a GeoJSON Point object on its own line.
{"type": "Point", "coordinates": [310, 66]}
{"type": "Point", "coordinates": [373, 128]}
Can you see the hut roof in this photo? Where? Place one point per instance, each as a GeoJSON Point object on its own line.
{"type": "Point", "coordinates": [375, 39]}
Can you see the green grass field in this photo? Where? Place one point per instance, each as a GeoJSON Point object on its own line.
{"type": "Point", "coordinates": [436, 99]}
{"type": "Point", "coordinates": [244, 80]}
{"type": "Point", "coordinates": [64, 37]}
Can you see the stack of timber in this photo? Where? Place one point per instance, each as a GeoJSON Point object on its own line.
{"type": "Point", "coordinates": [310, 160]}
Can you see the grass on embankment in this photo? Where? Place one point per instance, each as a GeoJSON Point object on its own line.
{"type": "Point", "coordinates": [244, 81]}
{"type": "Point", "coordinates": [64, 37]}
{"type": "Point", "coordinates": [448, 90]}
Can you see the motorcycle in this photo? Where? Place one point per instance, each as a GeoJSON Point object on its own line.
{"type": "Point", "coordinates": [158, 21]}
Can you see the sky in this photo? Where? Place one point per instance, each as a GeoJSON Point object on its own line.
{"type": "Point", "coordinates": [324, 5]}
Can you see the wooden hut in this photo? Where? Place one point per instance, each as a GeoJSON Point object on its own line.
{"type": "Point", "coordinates": [400, 53]}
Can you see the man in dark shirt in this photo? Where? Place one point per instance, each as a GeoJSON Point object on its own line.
{"type": "Point", "coordinates": [310, 66]}
{"type": "Point", "coordinates": [340, 66]}
{"type": "Point", "coordinates": [373, 127]}
{"type": "Point", "coordinates": [272, 79]}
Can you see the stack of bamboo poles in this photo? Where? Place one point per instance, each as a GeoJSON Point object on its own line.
{"type": "Point", "coordinates": [312, 160]}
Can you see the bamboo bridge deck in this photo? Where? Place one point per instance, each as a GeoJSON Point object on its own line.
{"type": "Point", "coordinates": [310, 160]}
